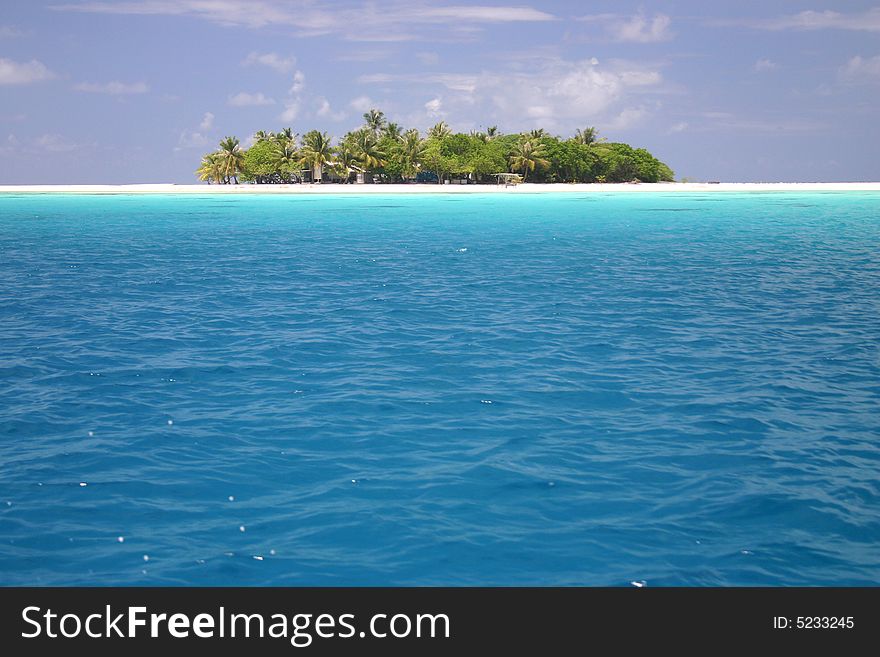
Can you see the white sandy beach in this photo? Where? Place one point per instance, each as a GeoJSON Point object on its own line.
{"type": "Point", "coordinates": [525, 188]}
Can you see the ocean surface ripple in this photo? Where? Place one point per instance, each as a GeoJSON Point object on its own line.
{"type": "Point", "coordinates": [438, 390]}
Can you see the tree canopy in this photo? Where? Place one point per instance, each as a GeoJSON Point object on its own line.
{"type": "Point", "coordinates": [387, 152]}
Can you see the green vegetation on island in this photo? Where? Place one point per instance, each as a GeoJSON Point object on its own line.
{"type": "Point", "coordinates": [381, 151]}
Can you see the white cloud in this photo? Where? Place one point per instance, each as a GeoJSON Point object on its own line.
{"type": "Point", "coordinates": [299, 82]}
{"type": "Point", "coordinates": [465, 83]}
{"type": "Point", "coordinates": [729, 121]}
{"type": "Point", "coordinates": [475, 14]}
{"type": "Point", "coordinates": [642, 30]}
{"type": "Point", "coordinates": [53, 143]}
{"type": "Point", "coordinates": [244, 99]}
{"type": "Point", "coordinates": [454, 81]}
{"type": "Point", "coordinates": [196, 138]}
{"type": "Point", "coordinates": [764, 64]}
{"type": "Point", "coordinates": [189, 140]}
{"type": "Point", "coordinates": [9, 32]}
{"type": "Point", "coordinates": [867, 21]}
{"type": "Point", "coordinates": [628, 118]}
{"type": "Point", "coordinates": [376, 35]}
{"type": "Point", "coordinates": [637, 29]}
{"type": "Point", "coordinates": [428, 58]}
{"type": "Point", "coordinates": [10, 146]}
{"type": "Point", "coordinates": [373, 78]}
{"type": "Point", "coordinates": [325, 110]}
{"type": "Point", "coordinates": [48, 142]}
{"type": "Point", "coordinates": [242, 13]}
{"type": "Point", "coordinates": [860, 69]}
{"type": "Point", "coordinates": [114, 88]}
{"type": "Point", "coordinates": [681, 126]}
{"type": "Point", "coordinates": [363, 55]}
{"type": "Point", "coordinates": [271, 60]}
{"type": "Point", "coordinates": [291, 111]}
{"type": "Point", "coordinates": [568, 91]}
{"type": "Point", "coordinates": [12, 72]}
{"type": "Point", "coordinates": [361, 104]}
{"type": "Point", "coordinates": [433, 108]}
{"type": "Point", "coordinates": [363, 22]}
{"type": "Point", "coordinates": [554, 94]}
{"type": "Point", "coordinates": [293, 103]}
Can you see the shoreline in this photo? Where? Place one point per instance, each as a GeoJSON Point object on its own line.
{"type": "Point", "coordinates": [524, 188]}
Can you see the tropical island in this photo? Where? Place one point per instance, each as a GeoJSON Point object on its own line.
{"type": "Point", "coordinates": [383, 152]}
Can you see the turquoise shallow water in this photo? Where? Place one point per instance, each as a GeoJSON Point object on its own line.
{"type": "Point", "coordinates": [487, 390]}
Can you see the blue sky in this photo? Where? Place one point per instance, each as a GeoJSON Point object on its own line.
{"type": "Point", "coordinates": [136, 90]}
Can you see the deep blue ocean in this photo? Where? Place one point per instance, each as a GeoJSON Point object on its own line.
{"type": "Point", "coordinates": [565, 389]}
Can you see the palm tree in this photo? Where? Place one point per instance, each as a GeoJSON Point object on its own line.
{"type": "Point", "coordinates": [211, 169]}
{"type": "Point", "coordinates": [537, 134]}
{"type": "Point", "coordinates": [367, 149]}
{"type": "Point", "coordinates": [392, 131]}
{"type": "Point", "coordinates": [316, 152]}
{"type": "Point", "coordinates": [482, 136]}
{"type": "Point", "coordinates": [374, 120]}
{"type": "Point", "coordinates": [285, 159]}
{"type": "Point", "coordinates": [286, 136]}
{"type": "Point", "coordinates": [492, 132]}
{"type": "Point", "coordinates": [262, 135]}
{"type": "Point", "coordinates": [528, 155]}
{"type": "Point", "coordinates": [411, 148]}
{"type": "Point", "coordinates": [232, 159]}
{"type": "Point", "coordinates": [586, 136]}
{"type": "Point", "coordinates": [347, 160]}
{"type": "Point", "coordinates": [440, 130]}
